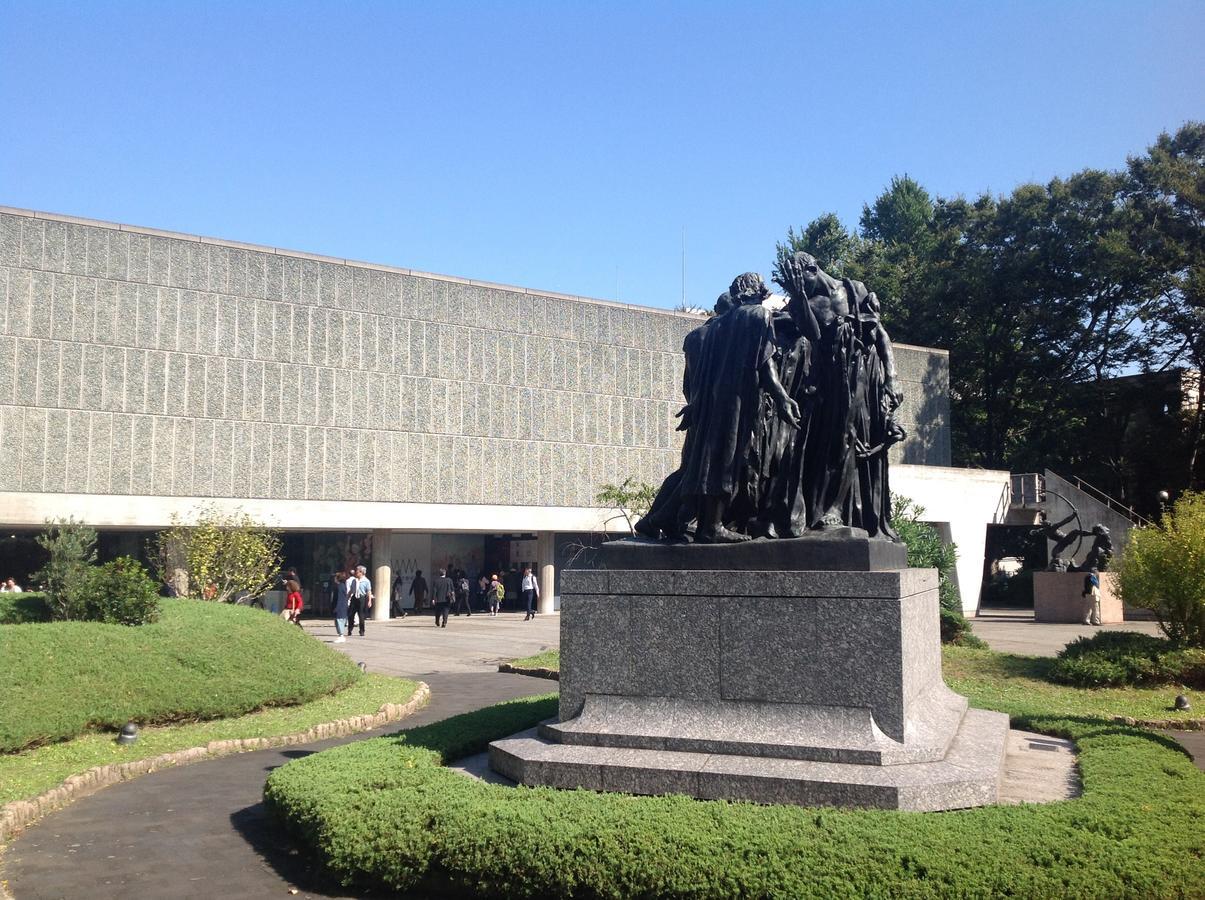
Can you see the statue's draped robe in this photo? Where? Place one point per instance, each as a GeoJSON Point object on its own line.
{"type": "Point", "coordinates": [872, 423]}
{"type": "Point", "coordinates": [781, 500]}
{"type": "Point", "coordinates": [725, 401]}
{"type": "Point", "coordinates": [669, 513]}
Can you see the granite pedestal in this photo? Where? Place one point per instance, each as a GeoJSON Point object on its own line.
{"type": "Point", "coordinates": [806, 687]}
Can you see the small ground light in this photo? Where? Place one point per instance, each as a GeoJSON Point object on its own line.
{"type": "Point", "coordinates": [1182, 702]}
{"type": "Point", "coordinates": [129, 733]}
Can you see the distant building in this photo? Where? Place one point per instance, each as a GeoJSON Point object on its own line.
{"type": "Point", "coordinates": [375, 414]}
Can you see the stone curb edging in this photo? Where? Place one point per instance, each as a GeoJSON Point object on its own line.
{"type": "Point", "coordinates": [534, 671]}
{"type": "Point", "coordinates": [18, 814]}
{"type": "Point", "coordinates": [1161, 724]}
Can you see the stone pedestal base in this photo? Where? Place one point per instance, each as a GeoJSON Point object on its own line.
{"type": "Point", "coordinates": [1059, 597]}
{"type": "Point", "coordinates": [812, 687]}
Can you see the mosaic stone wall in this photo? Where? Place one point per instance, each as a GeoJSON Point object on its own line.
{"type": "Point", "coordinates": [145, 363]}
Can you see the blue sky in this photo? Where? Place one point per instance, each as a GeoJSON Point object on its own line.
{"type": "Point", "coordinates": [563, 145]}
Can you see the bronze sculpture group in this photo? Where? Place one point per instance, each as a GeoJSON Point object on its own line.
{"type": "Point", "coordinates": [789, 415]}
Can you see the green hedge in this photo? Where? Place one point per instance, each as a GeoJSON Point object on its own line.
{"type": "Point", "coordinates": [199, 661]}
{"type": "Point", "coordinates": [16, 609]}
{"type": "Point", "coordinates": [384, 814]}
{"type": "Point", "coordinates": [1110, 658]}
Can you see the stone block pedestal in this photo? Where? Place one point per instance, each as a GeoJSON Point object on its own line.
{"type": "Point", "coordinates": [808, 687]}
{"type": "Point", "coordinates": [1059, 597]}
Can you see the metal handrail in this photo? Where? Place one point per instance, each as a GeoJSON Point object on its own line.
{"type": "Point", "coordinates": [1116, 505]}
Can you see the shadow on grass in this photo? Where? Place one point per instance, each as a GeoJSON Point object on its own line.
{"type": "Point", "coordinates": [1056, 726]}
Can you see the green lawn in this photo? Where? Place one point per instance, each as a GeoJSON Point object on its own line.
{"type": "Point", "coordinates": [199, 661]}
{"type": "Point", "coordinates": [1138, 831]}
{"type": "Point", "coordinates": [548, 659]}
{"type": "Point", "coordinates": [27, 774]}
{"type": "Point", "coordinates": [1016, 685]}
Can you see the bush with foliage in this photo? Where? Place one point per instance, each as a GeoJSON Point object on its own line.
{"type": "Point", "coordinates": [117, 593]}
{"type": "Point", "coordinates": [1115, 658]}
{"type": "Point", "coordinates": [1163, 570]}
{"type": "Point", "coordinates": [28, 606]}
{"type": "Point", "coordinates": [71, 549]}
{"type": "Point", "coordinates": [926, 550]}
{"type": "Point", "coordinates": [199, 661]}
{"type": "Point", "coordinates": [227, 557]}
{"type": "Point", "coordinates": [417, 827]}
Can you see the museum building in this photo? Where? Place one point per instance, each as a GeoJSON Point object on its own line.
{"type": "Point", "coordinates": [375, 414]}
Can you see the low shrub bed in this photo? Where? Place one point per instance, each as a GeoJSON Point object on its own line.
{"type": "Point", "coordinates": [1111, 658]}
{"type": "Point", "coordinates": [384, 813]}
{"type": "Point", "coordinates": [199, 661]}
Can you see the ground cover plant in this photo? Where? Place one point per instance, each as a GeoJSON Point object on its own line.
{"type": "Point", "coordinates": [199, 661]}
{"type": "Point", "coordinates": [27, 774]}
{"type": "Point", "coordinates": [1021, 686]}
{"type": "Point", "coordinates": [414, 825]}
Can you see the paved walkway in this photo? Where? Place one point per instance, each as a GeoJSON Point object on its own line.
{"type": "Point", "coordinates": [200, 831]}
{"type": "Point", "coordinates": [1015, 631]}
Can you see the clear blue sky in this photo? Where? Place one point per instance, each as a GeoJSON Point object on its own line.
{"type": "Point", "coordinates": [566, 145]}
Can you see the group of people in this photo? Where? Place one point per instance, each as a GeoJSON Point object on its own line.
{"type": "Point", "coordinates": [353, 599]}
{"type": "Point", "coordinates": [789, 415]}
{"type": "Point", "coordinates": [454, 593]}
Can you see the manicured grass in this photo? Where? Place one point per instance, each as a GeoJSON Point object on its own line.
{"type": "Point", "coordinates": [27, 774]}
{"type": "Point", "coordinates": [1017, 685]}
{"type": "Point", "coordinates": [199, 661]}
{"type": "Point", "coordinates": [548, 659]}
{"type": "Point", "coordinates": [1137, 831]}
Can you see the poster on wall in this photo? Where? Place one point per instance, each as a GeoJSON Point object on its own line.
{"type": "Point", "coordinates": [409, 554]}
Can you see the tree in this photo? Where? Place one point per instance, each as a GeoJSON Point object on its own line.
{"type": "Point", "coordinates": [926, 550]}
{"type": "Point", "coordinates": [631, 498]}
{"type": "Point", "coordinates": [1163, 569]}
{"type": "Point", "coordinates": [71, 547]}
{"type": "Point", "coordinates": [1167, 190]}
{"type": "Point", "coordinates": [228, 557]}
{"type": "Point", "coordinates": [824, 238]}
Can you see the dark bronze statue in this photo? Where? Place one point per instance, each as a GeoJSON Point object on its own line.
{"type": "Point", "coordinates": [789, 415]}
{"type": "Point", "coordinates": [1099, 554]}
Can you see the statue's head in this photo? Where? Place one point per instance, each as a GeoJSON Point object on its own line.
{"type": "Point", "coordinates": [748, 288]}
{"type": "Point", "coordinates": [868, 309]}
{"type": "Point", "coordinates": [1100, 530]}
{"type": "Point", "coordinates": [810, 268]}
{"type": "Point", "coordinates": [723, 303]}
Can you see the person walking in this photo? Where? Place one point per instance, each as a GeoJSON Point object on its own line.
{"type": "Point", "coordinates": [441, 594]}
{"type": "Point", "coordinates": [463, 594]}
{"type": "Point", "coordinates": [293, 602]}
{"type": "Point", "coordinates": [530, 591]}
{"type": "Point", "coordinates": [395, 598]}
{"type": "Point", "coordinates": [359, 594]}
{"type": "Point", "coordinates": [494, 594]}
{"type": "Point", "coordinates": [418, 590]}
{"type": "Point", "coordinates": [341, 607]}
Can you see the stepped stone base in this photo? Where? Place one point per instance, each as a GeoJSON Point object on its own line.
{"type": "Point", "coordinates": [969, 775]}
{"type": "Point", "coordinates": [775, 686]}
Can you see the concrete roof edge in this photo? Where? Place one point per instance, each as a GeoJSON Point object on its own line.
{"type": "Point", "coordinates": [261, 248]}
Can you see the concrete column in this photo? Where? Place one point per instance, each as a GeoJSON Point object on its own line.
{"type": "Point", "coordinates": [382, 575]}
{"type": "Point", "coordinates": [546, 551]}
